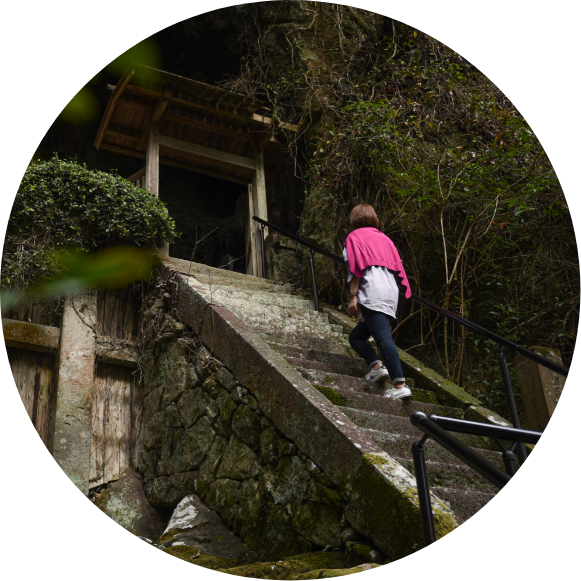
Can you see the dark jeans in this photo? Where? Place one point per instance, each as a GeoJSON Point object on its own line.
{"type": "Point", "coordinates": [376, 325]}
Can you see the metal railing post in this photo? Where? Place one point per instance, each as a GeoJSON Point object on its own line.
{"type": "Point", "coordinates": [262, 251]}
{"type": "Point", "coordinates": [522, 451]}
{"type": "Point", "coordinates": [424, 492]}
{"type": "Point", "coordinates": [314, 280]}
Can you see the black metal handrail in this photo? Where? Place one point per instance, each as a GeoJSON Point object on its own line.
{"type": "Point", "coordinates": [502, 342]}
{"type": "Point", "coordinates": [435, 427]}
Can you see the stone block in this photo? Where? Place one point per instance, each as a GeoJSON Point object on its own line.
{"type": "Point", "coordinates": [193, 405]}
{"type": "Point", "coordinates": [246, 425]}
{"type": "Point", "coordinates": [319, 524]}
{"type": "Point", "coordinates": [222, 497]}
{"type": "Point", "coordinates": [124, 501]}
{"type": "Point", "coordinates": [207, 474]}
{"type": "Point", "coordinates": [540, 387]}
{"type": "Point", "coordinates": [239, 461]}
{"type": "Point", "coordinates": [226, 379]}
{"type": "Point", "coordinates": [198, 441]}
{"type": "Point", "coordinates": [176, 380]}
{"type": "Point", "coordinates": [168, 491]}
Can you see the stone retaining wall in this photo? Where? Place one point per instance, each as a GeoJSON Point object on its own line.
{"type": "Point", "coordinates": [203, 432]}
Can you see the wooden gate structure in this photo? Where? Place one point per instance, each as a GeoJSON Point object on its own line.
{"type": "Point", "coordinates": [164, 118]}
{"type": "Point", "coordinates": [76, 373]}
{"type": "Point", "coordinates": [76, 376]}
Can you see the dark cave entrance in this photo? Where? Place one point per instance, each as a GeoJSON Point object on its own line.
{"type": "Point", "coordinates": [210, 215]}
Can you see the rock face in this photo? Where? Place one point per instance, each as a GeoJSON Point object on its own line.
{"type": "Point", "coordinates": [124, 501]}
{"type": "Point", "coordinates": [203, 432]}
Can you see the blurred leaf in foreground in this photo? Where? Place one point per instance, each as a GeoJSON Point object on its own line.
{"type": "Point", "coordinates": [112, 268]}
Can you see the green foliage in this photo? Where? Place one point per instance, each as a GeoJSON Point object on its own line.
{"type": "Point", "coordinates": [112, 268]}
{"type": "Point", "coordinates": [65, 205]}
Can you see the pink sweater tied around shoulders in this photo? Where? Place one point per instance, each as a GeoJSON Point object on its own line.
{"type": "Point", "coordinates": [370, 247]}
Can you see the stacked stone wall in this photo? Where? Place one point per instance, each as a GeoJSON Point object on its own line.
{"type": "Point", "coordinates": [204, 432]}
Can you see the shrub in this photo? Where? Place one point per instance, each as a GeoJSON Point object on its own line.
{"type": "Point", "coordinates": [63, 204]}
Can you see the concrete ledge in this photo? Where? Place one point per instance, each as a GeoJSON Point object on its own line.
{"type": "Point", "coordinates": [31, 336]}
{"type": "Point", "coordinates": [116, 352]}
{"type": "Point", "coordinates": [371, 481]}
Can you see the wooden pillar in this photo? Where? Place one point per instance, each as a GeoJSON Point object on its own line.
{"type": "Point", "coordinates": [71, 440]}
{"type": "Point", "coordinates": [260, 208]}
{"type": "Point", "coordinates": [152, 169]}
{"type": "Point", "coordinates": [250, 234]}
{"type": "Point", "coordinates": [540, 387]}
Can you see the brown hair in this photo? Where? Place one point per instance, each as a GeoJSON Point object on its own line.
{"type": "Point", "coordinates": [363, 215]}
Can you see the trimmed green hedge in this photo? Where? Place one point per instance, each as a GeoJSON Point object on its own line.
{"type": "Point", "coordinates": [63, 204]}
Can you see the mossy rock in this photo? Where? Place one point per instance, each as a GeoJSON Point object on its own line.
{"type": "Point", "coordinates": [270, 570]}
{"type": "Point", "coordinates": [321, 559]}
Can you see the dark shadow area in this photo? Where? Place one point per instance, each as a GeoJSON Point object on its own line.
{"type": "Point", "coordinates": [210, 215]}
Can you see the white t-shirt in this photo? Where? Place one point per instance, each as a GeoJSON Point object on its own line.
{"type": "Point", "coordinates": [378, 290]}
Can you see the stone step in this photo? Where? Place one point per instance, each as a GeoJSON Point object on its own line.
{"type": "Point", "coordinates": [274, 311]}
{"type": "Point", "coordinates": [464, 503]}
{"type": "Point", "coordinates": [402, 425]}
{"type": "Point", "coordinates": [216, 282]}
{"type": "Point", "coordinates": [342, 359]}
{"type": "Point", "coordinates": [357, 383]}
{"type": "Point", "coordinates": [456, 476]}
{"type": "Point", "coordinates": [297, 340]}
{"type": "Point", "coordinates": [227, 294]}
{"type": "Point", "coordinates": [384, 405]}
{"type": "Point", "coordinates": [188, 267]}
{"type": "Point", "coordinates": [400, 446]}
{"type": "Point", "coordinates": [283, 326]}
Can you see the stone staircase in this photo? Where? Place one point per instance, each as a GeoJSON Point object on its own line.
{"type": "Point", "coordinates": [316, 345]}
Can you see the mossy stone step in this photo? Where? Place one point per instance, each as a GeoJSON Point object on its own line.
{"type": "Point", "coordinates": [457, 476]}
{"type": "Point", "coordinates": [384, 405]}
{"type": "Point", "coordinates": [464, 503]}
{"type": "Point", "coordinates": [402, 425]}
{"type": "Point", "coordinates": [400, 445]}
{"type": "Point", "coordinates": [359, 384]}
{"type": "Point", "coordinates": [315, 349]}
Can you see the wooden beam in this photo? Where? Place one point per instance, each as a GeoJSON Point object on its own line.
{"type": "Point", "coordinates": [173, 163]}
{"type": "Point", "coordinates": [161, 105]}
{"type": "Point", "coordinates": [134, 103]}
{"type": "Point", "coordinates": [262, 139]}
{"type": "Point", "coordinates": [207, 124]}
{"type": "Point", "coordinates": [207, 172]}
{"type": "Point", "coordinates": [260, 208]}
{"type": "Point", "coordinates": [156, 115]}
{"type": "Point", "coordinates": [30, 336]}
{"type": "Point", "coordinates": [124, 132]}
{"type": "Point", "coordinates": [276, 123]}
{"type": "Point", "coordinates": [119, 88]}
{"type": "Point", "coordinates": [123, 150]}
{"type": "Point", "coordinates": [206, 153]}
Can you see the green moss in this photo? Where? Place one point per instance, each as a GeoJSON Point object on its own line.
{"type": "Point", "coordinates": [328, 573]}
{"type": "Point", "coordinates": [387, 515]}
{"type": "Point", "coordinates": [271, 570]}
{"type": "Point", "coordinates": [192, 555]}
{"type": "Point", "coordinates": [320, 559]}
{"type": "Point", "coordinates": [331, 395]}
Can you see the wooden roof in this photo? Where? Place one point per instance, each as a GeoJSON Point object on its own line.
{"type": "Point", "coordinates": [202, 128]}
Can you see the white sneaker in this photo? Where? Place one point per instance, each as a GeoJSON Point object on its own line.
{"type": "Point", "coordinates": [380, 374]}
{"type": "Point", "coordinates": [404, 393]}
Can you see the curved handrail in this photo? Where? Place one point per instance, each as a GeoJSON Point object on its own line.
{"type": "Point", "coordinates": [456, 318]}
